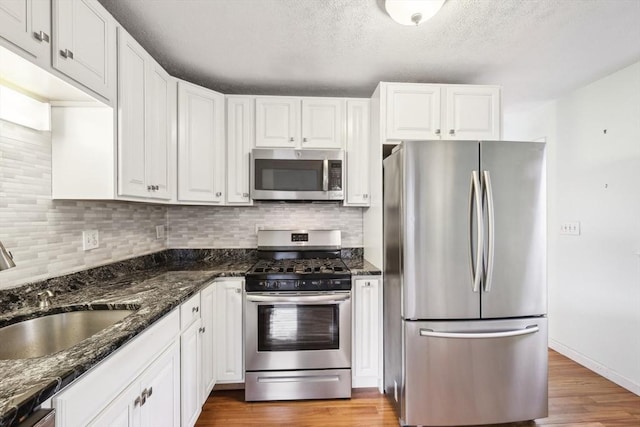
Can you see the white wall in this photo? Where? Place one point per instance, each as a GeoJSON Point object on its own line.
{"type": "Point", "coordinates": [594, 178]}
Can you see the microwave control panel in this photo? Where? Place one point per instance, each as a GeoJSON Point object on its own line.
{"type": "Point", "coordinates": [335, 175]}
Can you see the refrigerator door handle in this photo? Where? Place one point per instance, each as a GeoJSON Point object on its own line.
{"type": "Point", "coordinates": [480, 335]}
{"type": "Point", "coordinates": [474, 194]}
{"type": "Point", "coordinates": [486, 176]}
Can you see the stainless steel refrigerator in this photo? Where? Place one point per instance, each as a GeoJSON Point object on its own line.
{"type": "Point", "coordinates": [465, 301]}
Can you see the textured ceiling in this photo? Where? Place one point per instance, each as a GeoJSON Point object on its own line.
{"type": "Point", "coordinates": [536, 49]}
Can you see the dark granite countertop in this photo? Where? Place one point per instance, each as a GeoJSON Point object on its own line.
{"type": "Point", "coordinates": [153, 284]}
{"type": "Point", "coordinates": [26, 383]}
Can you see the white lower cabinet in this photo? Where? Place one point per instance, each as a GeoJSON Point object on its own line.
{"type": "Point", "coordinates": [366, 358]}
{"type": "Point", "coordinates": [137, 385]}
{"type": "Point", "coordinates": [191, 349]}
{"type": "Point", "coordinates": [229, 331]}
{"type": "Point", "coordinates": [197, 348]}
{"type": "Point", "coordinates": [151, 400]}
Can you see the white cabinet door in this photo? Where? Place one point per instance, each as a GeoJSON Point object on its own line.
{"type": "Point", "coordinates": [239, 144]}
{"type": "Point", "coordinates": [357, 153]}
{"type": "Point", "coordinates": [160, 391]}
{"type": "Point", "coordinates": [412, 111]}
{"type": "Point", "coordinates": [229, 331]}
{"type": "Point", "coordinates": [207, 314]}
{"type": "Point", "coordinates": [472, 112]}
{"type": "Point", "coordinates": [123, 411]}
{"type": "Point", "coordinates": [160, 135]}
{"type": "Point", "coordinates": [366, 332]}
{"type": "Point", "coordinates": [201, 154]}
{"type": "Point", "coordinates": [322, 123]}
{"type": "Point", "coordinates": [84, 44]}
{"type": "Point", "coordinates": [190, 359]}
{"type": "Point", "coordinates": [27, 24]}
{"type": "Point", "coordinates": [131, 117]}
{"type": "Point", "coordinates": [152, 399]}
{"type": "Point", "coordinates": [277, 122]}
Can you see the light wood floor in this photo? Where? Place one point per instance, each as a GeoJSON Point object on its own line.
{"type": "Point", "coordinates": [577, 397]}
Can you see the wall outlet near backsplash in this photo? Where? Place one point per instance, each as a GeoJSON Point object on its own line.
{"type": "Point", "coordinates": [161, 232]}
{"type": "Point", "coordinates": [90, 239]}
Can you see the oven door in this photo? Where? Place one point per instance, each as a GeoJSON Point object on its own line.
{"type": "Point", "coordinates": [286, 331]}
{"type": "Point", "coordinates": [296, 174]}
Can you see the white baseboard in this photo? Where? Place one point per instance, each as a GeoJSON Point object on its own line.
{"type": "Point", "coordinates": [595, 366]}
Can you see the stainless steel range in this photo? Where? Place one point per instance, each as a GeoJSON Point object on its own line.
{"type": "Point", "coordinates": [298, 318]}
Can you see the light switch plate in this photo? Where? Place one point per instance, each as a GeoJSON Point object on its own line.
{"type": "Point", "coordinates": [90, 239]}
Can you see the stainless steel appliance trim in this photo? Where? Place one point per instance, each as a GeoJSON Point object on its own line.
{"type": "Point", "coordinates": [302, 299]}
{"type": "Point", "coordinates": [282, 239]}
{"type": "Point", "coordinates": [474, 194]}
{"type": "Point", "coordinates": [480, 335]}
{"type": "Point", "coordinates": [300, 379]}
{"type": "Point", "coordinates": [288, 360]}
{"type": "Point", "coordinates": [491, 230]}
{"type": "Point", "coordinates": [325, 175]}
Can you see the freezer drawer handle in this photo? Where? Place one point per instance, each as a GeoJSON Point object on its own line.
{"type": "Point", "coordinates": [514, 333]}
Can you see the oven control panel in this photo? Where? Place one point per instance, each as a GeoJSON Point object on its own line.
{"type": "Point", "coordinates": [263, 285]}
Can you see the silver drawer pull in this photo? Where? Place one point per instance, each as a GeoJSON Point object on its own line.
{"type": "Point", "coordinates": [478, 335]}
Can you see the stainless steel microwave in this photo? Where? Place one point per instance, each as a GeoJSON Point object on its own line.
{"type": "Point", "coordinates": [287, 174]}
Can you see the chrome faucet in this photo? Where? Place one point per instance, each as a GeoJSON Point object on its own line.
{"type": "Point", "coordinates": [44, 298]}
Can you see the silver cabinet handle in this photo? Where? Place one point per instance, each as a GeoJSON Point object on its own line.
{"type": "Point", "coordinates": [474, 194]}
{"type": "Point", "coordinates": [149, 187]}
{"type": "Point", "coordinates": [201, 330]}
{"type": "Point", "coordinates": [143, 397]}
{"type": "Point", "coordinates": [137, 401]}
{"type": "Point", "coordinates": [238, 291]}
{"type": "Point", "coordinates": [41, 36]}
{"type": "Point", "coordinates": [437, 132]}
{"type": "Point", "coordinates": [479, 335]}
{"type": "Point", "coordinates": [325, 175]}
{"type": "Point", "coordinates": [365, 196]}
{"type": "Point", "coordinates": [367, 285]}
{"type": "Point", "coordinates": [150, 392]}
{"type": "Point", "coordinates": [452, 132]}
{"type": "Point", "coordinates": [195, 310]}
{"type": "Point", "coordinates": [218, 193]}
{"type": "Point", "coordinates": [486, 176]}
{"type": "Point", "coordinates": [66, 54]}
{"type": "Point", "coordinates": [304, 139]}
{"type": "Point", "coordinates": [291, 139]}
{"type": "Point", "coordinates": [245, 194]}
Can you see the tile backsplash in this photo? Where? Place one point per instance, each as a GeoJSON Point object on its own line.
{"type": "Point", "coordinates": [45, 236]}
{"type": "Point", "coordinates": [235, 227]}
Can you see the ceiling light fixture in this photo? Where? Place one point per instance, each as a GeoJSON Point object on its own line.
{"type": "Point", "coordinates": [412, 12]}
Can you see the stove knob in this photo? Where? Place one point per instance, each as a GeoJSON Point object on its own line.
{"type": "Point", "coordinates": [276, 285]}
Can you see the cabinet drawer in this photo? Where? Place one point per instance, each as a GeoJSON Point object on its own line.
{"type": "Point", "coordinates": [189, 311]}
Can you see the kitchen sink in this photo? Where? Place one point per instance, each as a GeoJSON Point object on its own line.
{"type": "Point", "coordinates": [49, 334]}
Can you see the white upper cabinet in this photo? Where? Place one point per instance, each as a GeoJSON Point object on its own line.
{"type": "Point", "coordinates": [413, 111]}
{"type": "Point", "coordinates": [201, 148]}
{"type": "Point", "coordinates": [286, 122]}
{"type": "Point", "coordinates": [147, 122]}
{"type": "Point", "coordinates": [277, 122]}
{"type": "Point", "coordinates": [84, 44]}
{"type": "Point", "coordinates": [472, 112]}
{"type": "Point", "coordinates": [430, 111]}
{"type": "Point", "coordinates": [240, 141]}
{"type": "Point", "coordinates": [27, 25]}
{"type": "Point", "coordinates": [322, 123]}
{"type": "Point", "coordinates": [357, 150]}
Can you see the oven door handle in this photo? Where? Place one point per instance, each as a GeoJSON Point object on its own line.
{"type": "Point", "coordinates": [311, 299]}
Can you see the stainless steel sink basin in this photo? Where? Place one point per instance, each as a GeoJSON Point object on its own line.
{"type": "Point", "coordinates": [49, 334]}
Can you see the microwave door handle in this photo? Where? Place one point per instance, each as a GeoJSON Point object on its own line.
{"type": "Point", "coordinates": [325, 175]}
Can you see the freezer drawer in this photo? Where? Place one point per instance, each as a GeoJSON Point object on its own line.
{"type": "Point", "coordinates": [474, 372]}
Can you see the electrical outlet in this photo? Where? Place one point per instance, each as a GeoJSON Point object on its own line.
{"type": "Point", "coordinates": [90, 240]}
{"type": "Point", "coordinates": [570, 228]}
{"type": "Point", "coordinates": [160, 232]}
